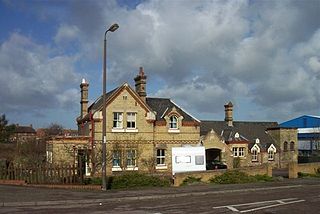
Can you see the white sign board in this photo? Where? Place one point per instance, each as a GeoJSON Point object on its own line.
{"type": "Point", "coordinates": [187, 159]}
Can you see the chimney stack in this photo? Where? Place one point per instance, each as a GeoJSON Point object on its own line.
{"type": "Point", "coordinates": [140, 83]}
{"type": "Point", "coordinates": [84, 86]}
{"type": "Point", "coordinates": [228, 108]}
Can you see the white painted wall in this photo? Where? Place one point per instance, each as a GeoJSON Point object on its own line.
{"type": "Point", "coordinates": [187, 159]}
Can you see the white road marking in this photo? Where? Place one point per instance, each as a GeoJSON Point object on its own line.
{"type": "Point", "coordinates": [274, 205]}
{"type": "Point", "coordinates": [278, 202]}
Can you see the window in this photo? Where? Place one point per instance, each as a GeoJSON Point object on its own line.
{"type": "Point", "coordinates": [270, 155]}
{"type": "Point", "coordinates": [238, 151]}
{"type": "Point", "coordinates": [116, 158]}
{"type": "Point", "coordinates": [117, 119]}
{"type": "Point", "coordinates": [131, 120]}
{"type": "Point", "coordinates": [49, 156]}
{"type": "Point", "coordinates": [199, 159]}
{"type": "Point", "coordinates": [131, 158]}
{"type": "Point", "coordinates": [161, 156]}
{"type": "Point", "coordinates": [241, 152]}
{"type": "Point", "coordinates": [254, 156]}
{"type": "Point", "coordinates": [292, 146]}
{"type": "Point", "coordinates": [173, 123]}
{"type": "Point", "coordinates": [235, 151]}
{"type": "Point", "coordinates": [285, 146]}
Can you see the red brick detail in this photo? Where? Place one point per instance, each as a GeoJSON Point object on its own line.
{"type": "Point", "coordinates": [161, 123]}
{"type": "Point", "coordinates": [13, 182]}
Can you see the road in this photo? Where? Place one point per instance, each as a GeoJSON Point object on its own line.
{"type": "Point", "coordinates": [297, 197]}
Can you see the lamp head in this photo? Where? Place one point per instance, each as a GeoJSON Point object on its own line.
{"type": "Point", "coordinates": [113, 27]}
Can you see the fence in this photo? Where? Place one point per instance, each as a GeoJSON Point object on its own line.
{"type": "Point", "coordinates": [45, 174]}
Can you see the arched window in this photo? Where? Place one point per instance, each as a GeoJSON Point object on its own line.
{"type": "Point", "coordinates": [173, 123]}
{"type": "Point", "coordinates": [285, 146]}
{"type": "Point", "coordinates": [271, 152]}
{"type": "Point", "coordinates": [292, 146]}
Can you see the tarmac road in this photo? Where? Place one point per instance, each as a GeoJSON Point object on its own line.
{"type": "Point", "coordinates": [288, 196]}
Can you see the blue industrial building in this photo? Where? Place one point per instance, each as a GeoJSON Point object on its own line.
{"type": "Point", "coordinates": [308, 136]}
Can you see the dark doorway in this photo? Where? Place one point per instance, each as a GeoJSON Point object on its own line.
{"type": "Point", "coordinates": [213, 155]}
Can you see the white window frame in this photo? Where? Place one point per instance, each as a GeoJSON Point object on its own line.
{"type": "Point", "coordinates": [117, 120]}
{"type": "Point", "coordinates": [271, 152]}
{"type": "Point", "coordinates": [270, 155]}
{"type": "Point", "coordinates": [116, 158]}
{"type": "Point", "coordinates": [241, 151]}
{"type": "Point", "coordinates": [131, 159]}
{"type": "Point", "coordinates": [235, 151]}
{"type": "Point", "coordinates": [161, 157]}
{"type": "Point", "coordinates": [254, 156]}
{"type": "Point", "coordinates": [131, 120]}
{"type": "Point", "coordinates": [238, 151]}
{"type": "Point", "coordinates": [173, 124]}
{"type": "Point", "coordinates": [49, 156]}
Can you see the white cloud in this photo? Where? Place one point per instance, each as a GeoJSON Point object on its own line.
{"type": "Point", "coordinates": [204, 53]}
{"type": "Point", "coordinates": [66, 33]}
{"type": "Point", "coordinates": [32, 77]}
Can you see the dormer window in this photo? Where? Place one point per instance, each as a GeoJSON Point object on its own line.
{"type": "Point", "coordinates": [173, 123]}
{"type": "Point", "coordinates": [271, 152]}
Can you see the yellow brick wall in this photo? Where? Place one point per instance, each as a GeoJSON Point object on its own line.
{"type": "Point", "coordinates": [148, 138]}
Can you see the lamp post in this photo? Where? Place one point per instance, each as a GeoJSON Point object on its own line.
{"type": "Point", "coordinates": [112, 28]}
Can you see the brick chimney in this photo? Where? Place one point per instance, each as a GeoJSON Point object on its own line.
{"type": "Point", "coordinates": [84, 86]}
{"type": "Point", "coordinates": [140, 83]}
{"type": "Point", "coordinates": [228, 108]}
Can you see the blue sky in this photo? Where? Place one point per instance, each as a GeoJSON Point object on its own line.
{"type": "Point", "coordinates": [264, 56]}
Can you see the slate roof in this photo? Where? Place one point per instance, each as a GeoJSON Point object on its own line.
{"type": "Point", "coordinates": [162, 105]}
{"type": "Point", "coordinates": [158, 105]}
{"type": "Point", "coordinates": [98, 102]}
{"type": "Point", "coordinates": [247, 130]}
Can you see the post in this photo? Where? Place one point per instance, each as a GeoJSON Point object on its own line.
{"type": "Point", "coordinates": [113, 28]}
{"type": "Point", "coordinates": [104, 124]}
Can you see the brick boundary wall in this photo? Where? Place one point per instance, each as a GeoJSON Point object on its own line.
{"type": "Point", "coordinates": [295, 168]}
{"type": "Point", "coordinates": [205, 176]}
{"type": "Point", "coordinates": [13, 182]}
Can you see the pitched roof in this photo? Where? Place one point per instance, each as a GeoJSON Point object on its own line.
{"type": "Point", "coordinates": [24, 129]}
{"type": "Point", "coordinates": [247, 130]}
{"type": "Point", "coordinates": [162, 105]}
{"type": "Point", "coordinates": [98, 102]}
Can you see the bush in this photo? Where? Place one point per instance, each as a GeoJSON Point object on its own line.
{"type": "Point", "coordinates": [190, 180]}
{"type": "Point", "coordinates": [308, 175]}
{"type": "Point", "coordinates": [134, 180]}
{"type": "Point", "coordinates": [237, 177]}
{"type": "Point", "coordinates": [93, 180]}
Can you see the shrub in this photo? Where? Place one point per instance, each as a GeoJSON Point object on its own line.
{"type": "Point", "coordinates": [190, 180]}
{"type": "Point", "coordinates": [93, 180]}
{"type": "Point", "coordinates": [308, 175]}
{"type": "Point", "coordinates": [236, 177]}
{"type": "Point", "coordinates": [134, 180]}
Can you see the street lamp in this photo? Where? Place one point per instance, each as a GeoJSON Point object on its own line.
{"type": "Point", "coordinates": [113, 28]}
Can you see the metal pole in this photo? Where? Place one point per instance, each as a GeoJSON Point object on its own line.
{"type": "Point", "coordinates": [104, 119]}
{"type": "Point", "coordinates": [113, 28]}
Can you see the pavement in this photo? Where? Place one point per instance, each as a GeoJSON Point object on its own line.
{"type": "Point", "coordinates": [14, 196]}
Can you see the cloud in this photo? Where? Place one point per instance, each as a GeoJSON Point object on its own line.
{"type": "Point", "coordinates": [66, 34]}
{"type": "Point", "coordinates": [33, 78]}
{"type": "Point", "coordinates": [200, 53]}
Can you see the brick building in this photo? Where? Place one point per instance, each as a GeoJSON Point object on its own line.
{"type": "Point", "coordinates": [140, 130]}
{"type": "Point", "coordinates": [244, 143]}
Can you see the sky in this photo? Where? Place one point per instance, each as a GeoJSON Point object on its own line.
{"type": "Point", "coordinates": [263, 56]}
